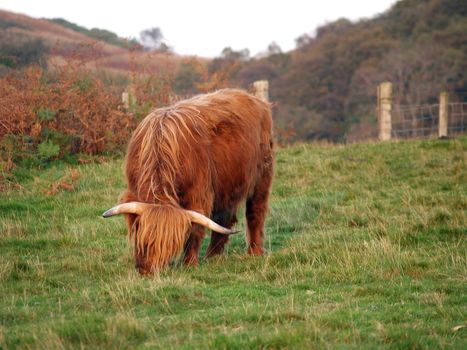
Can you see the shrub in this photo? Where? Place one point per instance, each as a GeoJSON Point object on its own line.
{"type": "Point", "coordinates": [50, 115]}
{"type": "Point", "coordinates": [18, 50]}
{"type": "Point", "coordinates": [48, 150]}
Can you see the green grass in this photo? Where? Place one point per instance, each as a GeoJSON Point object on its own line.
{"type": "Point", "coordinates": [366, 249]}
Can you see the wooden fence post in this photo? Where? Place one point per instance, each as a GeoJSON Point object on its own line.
{"type": "Point", "coordinates": [384, 111]}
{"type": "Point", "coordinates": [261, 88]}
{"type": "Point", "coordinates": [129, 97]}
{"type": "Point", "coordinates": [126, 99]}
{"type": "Point", "coordinates": [443, 115]}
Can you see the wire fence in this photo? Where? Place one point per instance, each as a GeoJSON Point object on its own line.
{"type": "Point", "coordinates": [443, 119]}
{"type": "Point", "coordinates": [423, 121]}
{"type": "Point", "coordinates": [414, 121]}
{"type": "Point", "coordinates": [457, 121]}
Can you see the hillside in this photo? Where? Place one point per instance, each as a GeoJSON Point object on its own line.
{"type": "Point", "coordinates": [326, 88]}
{"type": "Point", "coordinates": [61, 90]}
{"type": "Point", "coordinates": [366, 249]}
{"type": "Point", "coordinates": [55, 41]}
{"type": "Point", "coordinates": [98, 34]}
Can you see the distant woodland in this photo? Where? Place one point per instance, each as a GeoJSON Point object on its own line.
{"type": "Point", "coordinates": [323, 89]}
{"type": "Point", "coordinates": [326, 87]}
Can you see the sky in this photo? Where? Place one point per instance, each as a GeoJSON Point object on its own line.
{"type": "Point", "coordinates": [205, 27]}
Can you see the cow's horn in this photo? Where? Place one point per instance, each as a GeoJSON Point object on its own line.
{"type": "Point", "coordinates": [207, 222]}
{"type": "Point", "coordinates": [138, 208]}
{"type": "Point", "coordinates": [127, 208]}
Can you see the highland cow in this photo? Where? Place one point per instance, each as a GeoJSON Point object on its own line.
{"type": "Point", "coordinates": [189, 167]}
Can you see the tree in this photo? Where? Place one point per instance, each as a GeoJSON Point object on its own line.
{"type": "Point", "coordinates": [153, 40]}
{"type": "Point", "coordinates": [302, 41]}
{"type": "Point", "coordinates": [232, 55]}
{"type": "Point", "coordinates": [190, 74]}
{"type": "Point", "coordinates": [274, 49]}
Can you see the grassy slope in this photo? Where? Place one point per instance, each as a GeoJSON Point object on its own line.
{"type": "Point", "coordinates": [367, 248]}
{"type": "Point", "coordinates": [106, 56]}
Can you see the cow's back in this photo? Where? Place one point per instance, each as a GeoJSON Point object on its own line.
{"type": "Point", "coordinates": [240, 133]}
{"type": "Point", "coordinates": [222, 142]}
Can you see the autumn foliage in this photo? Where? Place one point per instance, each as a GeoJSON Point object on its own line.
{"type": "Point", "coordinates": [69, 109]}
{"type": "Point", "coordinates": [72, 108]}
{"type": "Point", "coordinates": [37, 106]}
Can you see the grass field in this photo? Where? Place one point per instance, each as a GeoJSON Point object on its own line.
{"type": "Point", "coordinates": [366, 249]}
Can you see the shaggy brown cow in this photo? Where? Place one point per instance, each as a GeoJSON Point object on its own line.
{"type": "Point", "coordinates": [196, 160]}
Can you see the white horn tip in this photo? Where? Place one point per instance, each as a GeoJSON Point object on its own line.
{"type": "Point", "coordinates": [109, 213]}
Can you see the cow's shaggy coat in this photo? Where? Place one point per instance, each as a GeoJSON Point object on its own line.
{"type": "Point", "coordinates": [206, 154]}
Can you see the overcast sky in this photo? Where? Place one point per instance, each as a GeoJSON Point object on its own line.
{"type": "Point", "coordinates": [205, 27]}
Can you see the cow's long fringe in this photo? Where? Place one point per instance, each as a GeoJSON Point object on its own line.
{"type": "Point", "coordinates": [159, 234]}
{"type": "Point", "coordinates": [159, 136]}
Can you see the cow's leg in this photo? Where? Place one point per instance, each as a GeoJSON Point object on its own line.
{"type": "Point", "coordinates": [192, 245]}
{"type": "Point", "coordinates": [256, 209]}
{"type": "Point", "coordinates": [227, 219]}
{"type": "Point", "coordinates": [201, 202]}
